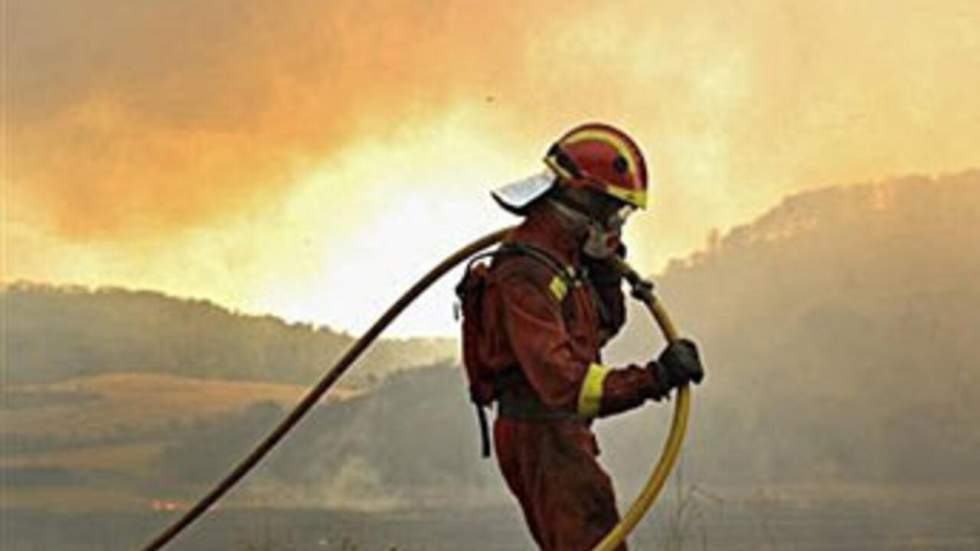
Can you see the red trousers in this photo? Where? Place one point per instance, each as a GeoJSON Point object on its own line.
{"type": "Point", "coordinates": [551, 467]}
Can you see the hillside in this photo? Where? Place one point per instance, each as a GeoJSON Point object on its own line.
{"type": "Point", "coordinates": [56, 333]}
{"type": "Point", "coordinates": [840, 331]}
{"type": "Point", "coordinates": [842, 334]}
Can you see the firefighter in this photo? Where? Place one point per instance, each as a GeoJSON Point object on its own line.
{"type": "Point", "coordinates": [552, 308]}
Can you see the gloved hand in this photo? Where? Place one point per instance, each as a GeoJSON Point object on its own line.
{"type": "Point", "coordinates": [602, 272]}
{"type": "Point", "coordinates": [678, 364]}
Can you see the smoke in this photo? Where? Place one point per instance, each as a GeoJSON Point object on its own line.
{"type": "Point", "coordinates": [354, 486]}
{"type": "Point", "coordinates": [145, 117]}
{"type": "Point", "coordinates": [237, 137]}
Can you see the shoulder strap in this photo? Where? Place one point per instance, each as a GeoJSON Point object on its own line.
{"type": "Point", "coordinates": [567, 273]}
{"type": "Point", "coordinates": [567, 276]}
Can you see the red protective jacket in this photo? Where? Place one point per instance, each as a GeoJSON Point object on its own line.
{"type": "Point", "coordinates": [551, 335]}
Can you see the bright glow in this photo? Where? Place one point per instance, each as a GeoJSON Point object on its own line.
{"type": "Point", "coordinates": [376, 266]}
{"type": "Point", "coordinates": [402, 224]}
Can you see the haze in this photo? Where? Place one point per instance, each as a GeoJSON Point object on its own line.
{"type": "Point", "coordinates": [311, 159]}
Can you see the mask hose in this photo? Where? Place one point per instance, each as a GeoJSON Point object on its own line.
{"type": "Point", "coordinates": [313, 396]}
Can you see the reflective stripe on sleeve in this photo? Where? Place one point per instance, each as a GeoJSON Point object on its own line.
{"type": "Point", "coordinates": [590, 396]}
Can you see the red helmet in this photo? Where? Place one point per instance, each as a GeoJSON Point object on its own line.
{"type": "Point", "coordinates": [603, 158]}
{"type": "Point", "coordinates": [593, 156]}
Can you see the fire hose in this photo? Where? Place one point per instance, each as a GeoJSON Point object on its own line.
{"type": "Point", "coordinates": [642, 290]}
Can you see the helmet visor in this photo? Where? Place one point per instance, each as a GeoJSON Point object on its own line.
{"type": "Point", "coordinates": [517, 196]}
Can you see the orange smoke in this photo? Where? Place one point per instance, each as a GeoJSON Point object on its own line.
{"type": "Point", "coordinates": [141, 118]}
{"type": "Point", "coordinates": [230, 150]}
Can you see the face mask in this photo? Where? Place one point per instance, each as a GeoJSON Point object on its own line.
{"type": "Point", "coordinates": [602, 239]}
{"type": "Point", "coordinates": [601, 242]}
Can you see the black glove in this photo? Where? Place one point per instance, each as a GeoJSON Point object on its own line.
{"type": "Point", "coordinates": [603, 273]}
{"type": "Point", "coordinates": [677, 365]}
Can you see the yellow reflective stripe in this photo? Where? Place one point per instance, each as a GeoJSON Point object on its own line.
{"type": "Point", "coordinates": [590, 396]}
{"type": "Point", "coordinates": [635, 197]}
{"type": "Point", "coordinates": [558, 169]}
{"type": "Point", "coordinates": [604, 136]}
{"type": "Point", "coordinates": [558, 288]}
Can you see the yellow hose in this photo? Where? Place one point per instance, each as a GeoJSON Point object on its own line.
{"type": "Point", "coordinates": [672, 447]}
{"type": "Point", "coordinates": [312, 397]}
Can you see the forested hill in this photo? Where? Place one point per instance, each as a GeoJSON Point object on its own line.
{"type": "Point", "coordinates": [841, 332]}
{"type": "Point", "coordinates": [53, 333]}
{"type": "Point", "coordinates": [881, 278]}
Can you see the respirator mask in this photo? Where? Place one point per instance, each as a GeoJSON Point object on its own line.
{"type": "Point", "coordinates": [603, 218]}
{"type": "Point", "coordinates": [605, 238]}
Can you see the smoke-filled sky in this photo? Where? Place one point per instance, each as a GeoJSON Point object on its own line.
{"type": "Point", "coordinates": [311, 159]}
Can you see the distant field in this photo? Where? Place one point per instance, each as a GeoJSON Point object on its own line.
{"type": "Point", "coordinates": [760, 523]}
{"type": "Point", "coordinates": [104, 405]}
{"type": "Point", "coordinates": [98, 442]}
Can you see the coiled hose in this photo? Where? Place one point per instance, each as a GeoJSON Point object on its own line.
{"type": "Point", "coordinates": [641, 290]}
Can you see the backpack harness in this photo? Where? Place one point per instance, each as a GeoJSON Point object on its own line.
{"type": "Point", "coordinates": [486, 388]}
